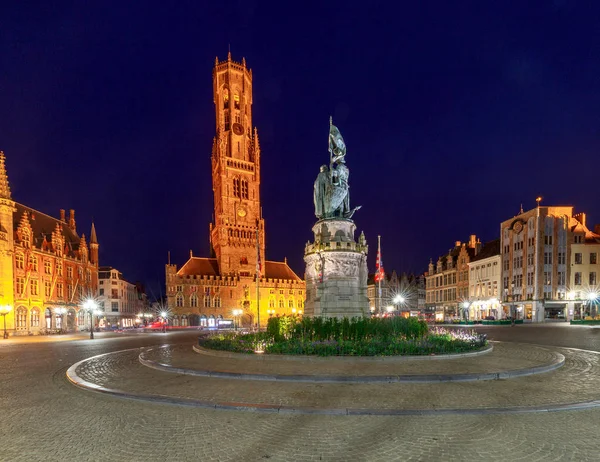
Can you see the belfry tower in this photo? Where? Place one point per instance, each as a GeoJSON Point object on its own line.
{"type": "Point", "coordinates": [235, 172]}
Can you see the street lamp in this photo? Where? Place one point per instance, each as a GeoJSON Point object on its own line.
{"type": "Point", "coordinates": [91, 306]}
{"type": "Point", "coordinates": [398, 300]}
{"type": "Point", "coordinates": [466, 306]}
{"type": "Point", "coordinates": [389, 309]}
{"type": "Point", "coordinates": [271, 312]}
{"type": "Point", "coordinates": [236, 314]}
{"type": "Point", "coordinates": [163, 315]}
{"type": "Point", "coordinates": [4, 310]}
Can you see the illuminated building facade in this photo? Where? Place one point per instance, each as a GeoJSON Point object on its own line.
{"type": "Point", "coordinates": [537, 252]}
{"type": "Point", "coordinates": [121, 301]}
{"type": "Point", "coordinates": [205, 290]}
{"type": "Point", "coordinates": [46, 267]}
{"type": "Point", "coordinates": [485, 282]}
{"type": "Point", "coordinates": [447, 281]}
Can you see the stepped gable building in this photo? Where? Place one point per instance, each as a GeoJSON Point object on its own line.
{"type": "Point", "coordinates": [205, 290]}
{"type": "Point", "coordinates": [447, 281]}
{"type": "Point", "coordinates": [46, 267]}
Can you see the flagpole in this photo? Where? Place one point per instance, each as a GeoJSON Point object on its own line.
{"type": "Point", "coordinates": [379, 270]}
{"type": "Point", "coordinates": [257, 277]}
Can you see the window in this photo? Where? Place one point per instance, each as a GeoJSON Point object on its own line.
{"type": "Point", "coordinates": [179, 288]}
{"type": "Point", "coordinates": [33, 261]}
{"type": "Point", "coordinates": [547, 258]}
{"type": "Point", "coordinates": [21, 318]}
{"type": "Point", "coordinates": [593, 278]}
{"type": "Point", "coordinates": [101, 292]}
{"type": "Point", "coordinates": [299, 292]}
{"type": "Point", "coordinates": [547, 278]}
{"type": "Point", "coordinates": [194, 301]}
{"type": "Point", "coordinates": [20, 286]}
{"type": "Point", "coordinates": [236, 101]}
{"type": "Point", "coordinates": [561, 278]}
{"type": "Point", "coordinates": [225, 97]}
{"type": "Point", "coordinates": [244, 189]}
{"type": "Point", "coordinates": [530, 259]}
{"type": "Point", "coordinates": [530, 279]}
{"type": "Point", "coordinates": [47, 288]}
{"type": "Point", "coordinates": [236, 187]}
{"type": "Point", "coordinates": [69, 272]}
{"type": "Point", "coordinates": [179, 301]}
{"type": "Point", "coordinates": [19, 261]}
{"type": "Point", "coordinates": [243, 260]}
{"type": "Point", "coordinates": [60, 290]}
{"type": "Point", "coordinates": [577, 278]}
{"type": "Point", "coordinates": [280, 291]}
{"type": "Point", "coordinates": [562, 258]}
{"type": "Point", "coordinates": [593, 258]}
{"type": "Point", "coordinates": [578, 259]}
{"type": "Point", "coordinates": [35, 317]}
{"type": "Point", "coordinates": [290, 303]}
{"type": "Point", "coordinates": [206, 301]}
{"type": "Point", "coordinates": [47, 267]}
{"type": "Point", "coordinates": [114, 293]}
{"type": "Point", "coordinates": [281, 305]}
{"type": "Point", "coordinates": [578, 239]}
{"type": "Point", "coordinates": [271, 303]}
{"type": "Point", "coordinates": [114, 307]}
{"type": "Point", "coordinates": [548, 240]}
{"type": "Point", "coordinates": [59, 268]}
{"type": "Point", "coordinates": [34, 288]}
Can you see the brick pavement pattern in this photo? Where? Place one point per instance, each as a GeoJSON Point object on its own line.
{"type": "Point", "coordinates": [44, 418]}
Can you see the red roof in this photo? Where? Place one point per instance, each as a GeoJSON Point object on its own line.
{"type": "Point", "coordinates": [280, 270]}
{"type": "Point", "coordinates": [197, 266]}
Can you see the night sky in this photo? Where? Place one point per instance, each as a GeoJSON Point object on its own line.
{"type": "Point", "coordinates": [454, 113]}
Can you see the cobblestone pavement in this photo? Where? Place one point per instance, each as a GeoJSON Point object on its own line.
{"type": "Point", "coordinates": [504, 356]}
{"type": "Point", "coordinates": [47, 419]}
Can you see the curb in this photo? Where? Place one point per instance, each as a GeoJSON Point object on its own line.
{"type": "Point", "coordinates": [275, 357]}
{"type": "Point", "coordinates": [276, 409]}
{"type": "Point", "coordinates": [558, 361]}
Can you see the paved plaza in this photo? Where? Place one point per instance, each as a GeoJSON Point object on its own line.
{"type": "Point", "coordinates": [45, 417]}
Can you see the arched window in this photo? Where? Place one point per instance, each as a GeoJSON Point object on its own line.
{"type": "Point", "coordinates": [236, 187]}
{"type": "Point", "coordinates": [300, 304]}
{"type": "Point", "coordinates": [281, 303]}
{"type": "Point", "coordinates": [217, 302]}
{"type": "Point", "coordinates": [244, 192]}
{"type": "Point", "coordinates": [290, 303]}
{"type": "Point", "coordinates": [203, 321]}
{"type": "Point", "coordinates": [184, 321]}
{"type": "Point", "coordinates": [226, 99]}
{"type": "Point", "coordinates": [227, 121]}
{"type": "Point", "coordinates": [179, 300]}
{"type": "Point", "coordinates": [206, 301]}
{"type": "Point", "coordinates": [26, 238]}
{"type": "Point", "coordinates": [194, 301]}
{"type": "Point", "coordinates": [21, 318]}
{"type": "Point", "coordinates": [272, 303]}
{"type": "Point", "coordinates": [35, 317]}
{"type": "Point", "coordinates": [19, 261]}
{"type": "Point", "coordinates": [175, 321]}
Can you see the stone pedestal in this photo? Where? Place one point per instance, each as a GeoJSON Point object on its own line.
{"type": "Point", "coordinates": [336, 271]}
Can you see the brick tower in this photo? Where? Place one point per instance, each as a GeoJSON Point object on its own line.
{"type": "Point", "coordinates": [235, 172]}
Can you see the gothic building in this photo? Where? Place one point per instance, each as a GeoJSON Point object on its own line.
{"type": "Point", "coordinates": [205, 290]}
{"type": "Point", "coordinates": [46, 267]}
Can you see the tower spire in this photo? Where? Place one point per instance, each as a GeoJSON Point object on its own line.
{"type": "Point", "coordinates": [4, 186]}
{"type": "Point", "coordinates": [93, 238]}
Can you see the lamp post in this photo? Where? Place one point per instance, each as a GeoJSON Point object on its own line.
{"type": "Point", "coordinates": [163, 315]}
{"type": "Point", "coordinates": [465, 306]}
{"type": "Point", "coordinates": [398, 300]}
{"type": "Point", "coordinates": [270, 312]}
{"type": "Point", "coordinates": [91, 306]}
{"type": "Point", "coordinates": [389, 309]}
{"type": "Point", "coordinates": [4, 310]}
{"type": "Point", "coordinates": [236, 315]}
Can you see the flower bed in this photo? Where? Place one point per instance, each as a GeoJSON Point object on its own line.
{"type": "Point", "coordinates": [357, 337]}
{"type": "Point", "coordinates": [585, 322]}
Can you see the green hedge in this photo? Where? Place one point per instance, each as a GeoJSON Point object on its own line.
{"type": "Point", "coordinates": [356, 329]}
{"type": "Point", "coordinates": [583, 322]}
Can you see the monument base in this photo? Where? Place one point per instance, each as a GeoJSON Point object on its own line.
{"type": "Point", "coordinates": [336, 271]}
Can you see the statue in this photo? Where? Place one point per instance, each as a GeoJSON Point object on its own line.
{"type": "Point", "coordinates": [331, 189]}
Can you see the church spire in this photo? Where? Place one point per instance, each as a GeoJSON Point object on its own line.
{"type": "Point", "coordinates": [4, 186]}
{"type": "Point", "coordinates": [93, 238]}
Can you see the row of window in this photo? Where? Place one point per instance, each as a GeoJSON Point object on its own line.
{"type": "Point", "coordinates": [34, 288]}
{"type": "Point", "coordinates": [592, 279]}
{"type": "Point", "coordinates": [33, 266]}
{"type": "Point", "coordinates": [179, 288]}
{"type": "Point", "coordinates": [593, 258]}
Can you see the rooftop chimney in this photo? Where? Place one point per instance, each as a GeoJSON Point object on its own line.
{"type": "Point", "coordinates": [477, 247]}
{"type": "Point", "coordinates": [72, 219]}
{"type": "Point", "coordinates": [472, 241]}
{"type": "Point", "coordinates": [457, 244]}
{"type": "Point", "coordinates": [580, 217]}
{"type": "Point", "coordinates": [597, 229]}
{"type": "Point", "coordinates": [62, 216]}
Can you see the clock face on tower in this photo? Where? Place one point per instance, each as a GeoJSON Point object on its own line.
{"type": "Point", "coordinates": [241, 212]}
{"type": "Point", "coordinates": [518, 227]}
{"type": "Point", "coordinates": [238, 129]}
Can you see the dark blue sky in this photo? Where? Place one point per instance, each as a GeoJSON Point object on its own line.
{"type": "Point", "coordinates": [454, 114]}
